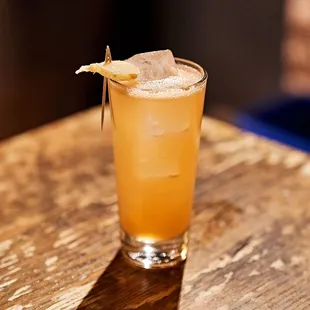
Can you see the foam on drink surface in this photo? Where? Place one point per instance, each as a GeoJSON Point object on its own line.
{"type": "Point", "coordinates": [182, 84]}
{"type": "Point", "coordinates": [161, 77]}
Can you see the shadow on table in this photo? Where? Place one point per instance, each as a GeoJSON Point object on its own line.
{"type": "Point", "coordinates": [122, 286]}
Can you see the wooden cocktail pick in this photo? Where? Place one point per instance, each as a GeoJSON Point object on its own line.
{"type": "Point", "coordinates": [107, 60]}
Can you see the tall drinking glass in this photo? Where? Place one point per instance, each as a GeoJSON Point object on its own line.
{"type": "Point", "coordinates": [156, 133]}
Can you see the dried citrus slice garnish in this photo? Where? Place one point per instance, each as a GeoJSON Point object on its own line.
{"type": "Point", "coordinates": [121, 71]}
{"type": "Point", "coordinates": [117, 70]}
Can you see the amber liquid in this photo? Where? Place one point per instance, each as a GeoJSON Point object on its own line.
{"type": "Point", "coordinates": [156, 140]}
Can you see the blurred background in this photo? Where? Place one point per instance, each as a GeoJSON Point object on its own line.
{"type": "Point", "coordinates": [257, 54]}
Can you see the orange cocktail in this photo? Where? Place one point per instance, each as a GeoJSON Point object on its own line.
{"type": "Point", "coordinates": [156, 140]}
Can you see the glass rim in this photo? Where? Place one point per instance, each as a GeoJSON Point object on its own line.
{"type": "Point", "coordinates": [182, 61]}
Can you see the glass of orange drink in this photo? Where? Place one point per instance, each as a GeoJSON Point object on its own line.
{"type": "Point", "coordinates": [156, 104]}
{"type": "Point", "coordinates": [156, 133]}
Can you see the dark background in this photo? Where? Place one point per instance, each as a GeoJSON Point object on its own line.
{"type": "Point", "coordinates": [43, 42]}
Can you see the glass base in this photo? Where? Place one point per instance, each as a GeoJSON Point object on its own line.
{"type": "Point", "coordinates": [160, 254]}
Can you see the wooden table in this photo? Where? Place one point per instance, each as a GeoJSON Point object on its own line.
{"type": "Point", "coordinates": [59, 245]}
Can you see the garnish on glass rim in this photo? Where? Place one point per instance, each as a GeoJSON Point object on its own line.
{"type": "Point", "coordinates": [117, 70]}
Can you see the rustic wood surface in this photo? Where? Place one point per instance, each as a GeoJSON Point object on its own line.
{"type": "Point", "coordinates": [59, 228]}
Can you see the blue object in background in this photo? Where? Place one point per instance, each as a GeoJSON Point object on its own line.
{"type": "Point", "coordinates": [285, 119]}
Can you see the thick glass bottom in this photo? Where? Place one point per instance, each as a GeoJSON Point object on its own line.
{"type": "Point", "coordinates": [150, 254]}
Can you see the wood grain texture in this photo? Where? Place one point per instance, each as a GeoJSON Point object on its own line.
{"type": "Point", "coordinates": [59, 226]}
